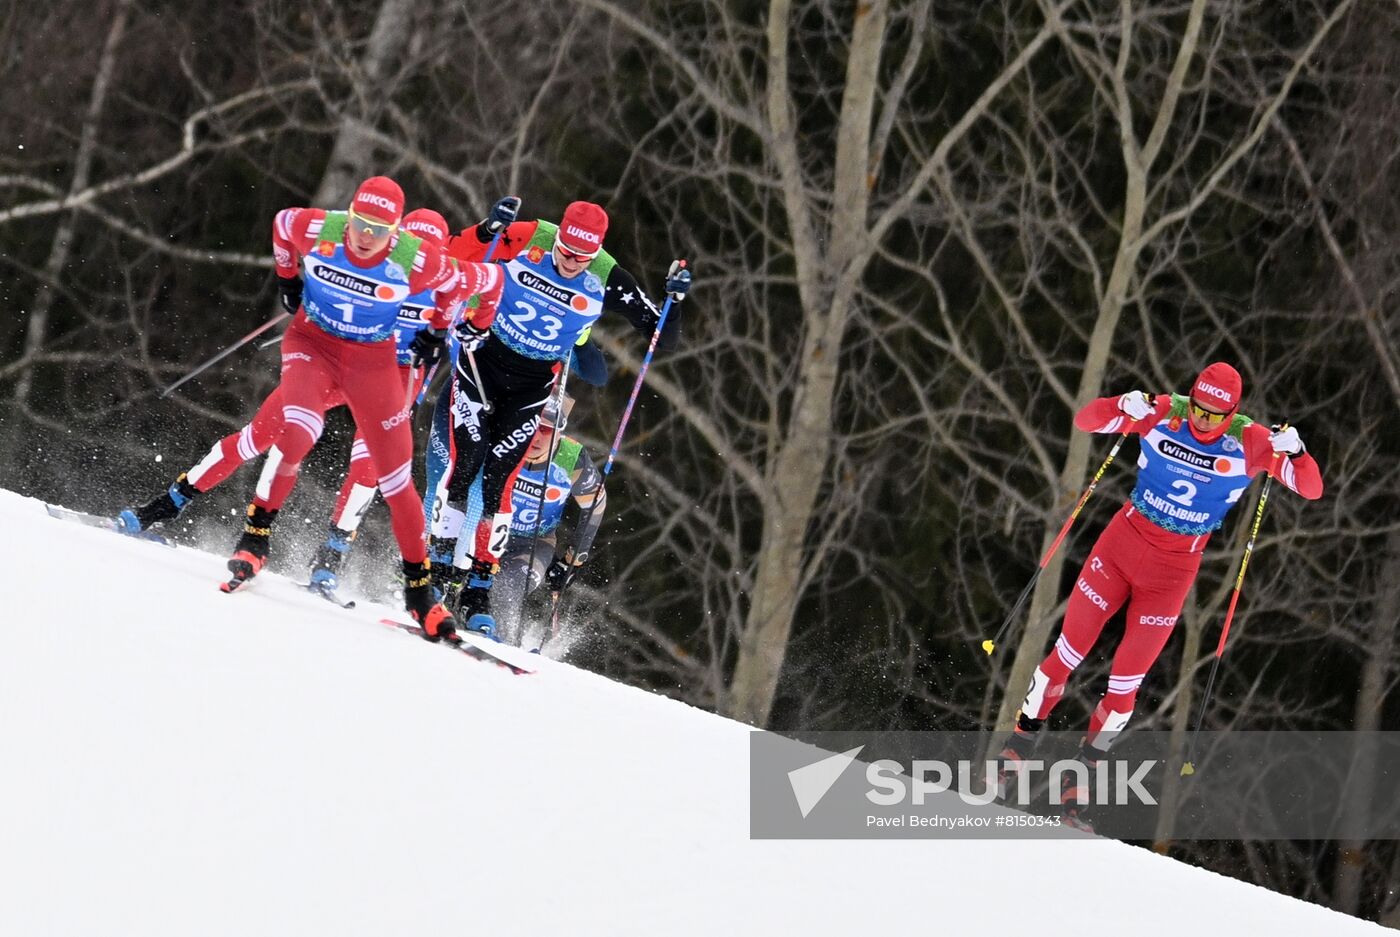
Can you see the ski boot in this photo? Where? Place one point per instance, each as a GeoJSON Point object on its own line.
{"type": "Point", "coordinates": [1075, 797]}
{"type": "Point", "coordinates": [422, 603]}
{"type": "Point", "coordinates": [164, 507]}
{"type": "Point", "coordinates": [1020, 746]}
{"type": "Point", "coordinates": [250, 553]}
{"type": "Point", "coordinates": [447, 578]}
{"type": "Point", "coordinates": [474, 607]}
{"type": "Point", "coordinates": [327, 560]}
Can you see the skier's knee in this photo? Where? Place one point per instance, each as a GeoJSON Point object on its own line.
{"type": "Point", "coordinates": [300, 432]}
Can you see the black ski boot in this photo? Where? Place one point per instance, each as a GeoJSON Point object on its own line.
{"type": "Point", "coordinates": [1075, 798]}
{"type": "Point", "coordinates": [447, 578]}
{"type": "Point", "coordinates": [1020, 746]}
{"type": "Point", "coordinates": [250, 553]}
{"type": "Point", "coordinates": [163, 507]}
{"type": "Point", "coordinates": [422, 603]}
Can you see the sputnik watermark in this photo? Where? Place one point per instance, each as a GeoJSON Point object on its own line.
{"type": "Point", "coordinates": [910, 785]}
{"type": "Point", "coordinates": [1107, 782]}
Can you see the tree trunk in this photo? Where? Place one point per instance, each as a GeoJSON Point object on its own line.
{"type": "Point", "coordinates": [1191, 619]}
{"type": "Point", "coordinates": [1370, 701]}
{"type": "Point", "coordinates": [59, 250]}
{"type": "Point", "coordinates": [1031, 648]}
{"type": "Point", "coordinates": [1137, 161]}
{"type": "Point", "coordinates": [353, 155]}
{"type": "Point", "coordinates": [792, 484]}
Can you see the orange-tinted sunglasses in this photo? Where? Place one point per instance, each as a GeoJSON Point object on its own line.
{"type": "Point", "coordinates": [1206, 416]}
{"type": "Point", "coordinates": [377, 229]}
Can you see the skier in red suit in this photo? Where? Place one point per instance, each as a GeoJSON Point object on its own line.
{"type": "Point", "coordinates": [356, 270]}
{"type": "Point", "coordinates": [1198, 456]}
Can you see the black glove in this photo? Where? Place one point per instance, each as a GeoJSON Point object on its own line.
{"type": "Point", "coordinates": [470, 337]}
{"type": "Point", "coordinates": [289, 293]}
{"type": "Point", "coordinates": [677, 280]}
{"type": "Point", "coordinates": [559, 574]}
{"type": "Point", "coordinates": [502, 214]}
{"type": "Point", "coordinates": [427, 347]}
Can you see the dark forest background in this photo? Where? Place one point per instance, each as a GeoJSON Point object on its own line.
{"type": "Point", "coordinates": [922, 234]}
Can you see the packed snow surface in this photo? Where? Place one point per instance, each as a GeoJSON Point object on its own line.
{"type": "Point", "coordinates": [179, 761]}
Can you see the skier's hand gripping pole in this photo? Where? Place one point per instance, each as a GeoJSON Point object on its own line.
{"type": "Point", "coordinates": [490, 253]}
{"type": "Point", "coordinates": [990, 644]}
{"type": "Point", "coordinates": [1188, 767]}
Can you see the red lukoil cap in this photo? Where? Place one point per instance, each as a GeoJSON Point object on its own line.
{"type": "Point", "coordinates": [582, 228]}
{"type": "Point", "coordinates": [427, 224]}
{"type": "Point", "coordinates": [380, 198]}
{"type": "Point", "coordinates": [1219, 385]}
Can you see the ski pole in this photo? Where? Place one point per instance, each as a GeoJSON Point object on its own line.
{"type": "Point", "coordinates": [408, 391]}
{"type": "Point", "coordinates": [1188, 767]}
{"type": "Point", "coordinates": [617, 439]}
{"type": "Point", "coordinates": [227, 351]}
{"type": "Point", "coordinates": [490, 252]}
{"type": "Point", "coordinates": [990, 644]}
{"type": "Point", "coordinates": [486, 407]}
{"type": "Point", "coordinates": [544, 485]}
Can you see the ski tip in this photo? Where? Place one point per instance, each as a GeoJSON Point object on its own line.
{"type": "Point", "coordinates": [1188, 769]}
{"type": "Point", "coordinates": [989, 645]}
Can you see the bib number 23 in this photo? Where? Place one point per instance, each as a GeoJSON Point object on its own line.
{"type": "Point", "coordinates": [547, 328]}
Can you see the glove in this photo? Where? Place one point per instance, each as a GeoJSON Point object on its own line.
{"type": "Point", "coordinates": [1136, 404]}
{"type": "Point", "coordinates": [502, 214]}
{"type": "Point", "coordinates": [471, 337]}
{"type": "Point", "coordinates": [1285, 439]}
{"type": "Point", "coordinates": [427, 347]}
{"type": "Point", "coordinates": [289, 293]}
{"type": "Point", "coordinates": [559, 574]}
{"type": "Point", "coordinates": [677, 280]}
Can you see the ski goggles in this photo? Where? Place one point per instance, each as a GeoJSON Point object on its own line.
{"type": "Point", "coordinates": [1206, 416]}
{"type": "Point", "coordinates": [362, 225]}
{"type": "Point", "coordinates": [573, 256]}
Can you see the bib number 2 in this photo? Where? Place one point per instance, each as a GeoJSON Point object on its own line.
{"type": "Point", "coordinates": [500, 535]}
{"type": "Point", "coordinates": [1186, 495]}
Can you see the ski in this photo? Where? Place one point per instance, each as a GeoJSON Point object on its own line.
{"type": "Point", "coordinates": [472, 646]}
{"type": "Point", "coordinates": [234, 584]}
{"type": "Point", "coordinates": [328, 594]}
{"type": "Point", "coordinates": [104, 523]}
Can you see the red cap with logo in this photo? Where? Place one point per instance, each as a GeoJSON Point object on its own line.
{"type": "Point", "coordinates": [380, 198]}
{"type": "Point", "coordinates": [582, 229]}
{"type": "Point", "coordinates": [426, 224]}
{"type": "Point", "coordinates": [1219, 387]}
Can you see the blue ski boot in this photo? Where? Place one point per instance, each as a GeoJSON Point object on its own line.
{"type": "Point", "coordinates": [329, 556]}
{"type": "Point", "coordinates": [475, 605]}
{"type": "Point", "coordinates": [163, 507]}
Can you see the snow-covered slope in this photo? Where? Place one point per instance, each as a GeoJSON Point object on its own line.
{"type": "Point", "coordinates": [178, 761]}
